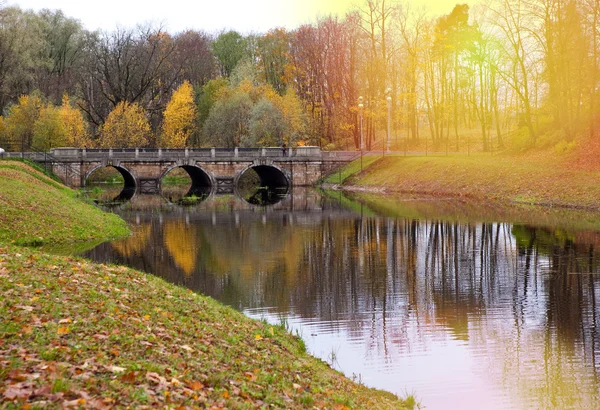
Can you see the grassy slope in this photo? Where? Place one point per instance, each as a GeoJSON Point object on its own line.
{"type": "Point", "coordinates": [73, 331]}
{"type": "Point", "coordinates": [35, 209]}
{"type": "Point", "coordinates": [82, 335]}
{"type": "Point", "coordinates": [533, 180]}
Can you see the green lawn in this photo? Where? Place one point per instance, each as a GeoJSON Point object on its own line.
{"type": "Point", "coordinates": [537, 180]}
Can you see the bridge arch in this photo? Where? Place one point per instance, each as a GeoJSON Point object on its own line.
{"type": "Point", "coordinates": [271, 176]}
{"type": "Point", "coordinates": [129, 179]}
{"type": "Point", "coordinates": [202, 181]}
{"type": "Point", "coordinates": [274, 185]}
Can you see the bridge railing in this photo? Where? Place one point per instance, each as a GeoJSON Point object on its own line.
{"type": "Point", "coordinates": [76, 154]}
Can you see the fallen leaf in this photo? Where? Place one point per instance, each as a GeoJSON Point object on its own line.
{"type": "Point", "coordinates": [63, 330]}
{"type": "Point", "coordinates": [195, 385]}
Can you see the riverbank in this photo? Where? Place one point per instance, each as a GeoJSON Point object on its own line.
{"type": "Point", "coordinates": [537, 180]}
{"type": "Point", "coordinates": [84, 335]}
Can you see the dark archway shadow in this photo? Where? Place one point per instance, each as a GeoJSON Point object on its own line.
{"type": "Point", "coordinates": [127, 192]}
{"type": "Point", "coordinates": [263, 185]}
{"type": "Point", "coordinates": [200, 188]}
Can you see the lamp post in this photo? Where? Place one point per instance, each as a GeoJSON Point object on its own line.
{"type": "Point", "coordinates": [388, 92]}
{"type": "Point", "coordinates": [362, 146]}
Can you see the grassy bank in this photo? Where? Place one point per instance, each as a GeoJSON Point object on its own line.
{"type": "Point", "coordinates": [89, 335]}
{"type": "Point", "coordinates": [37, 210]}
{"type": "Point", "coordinates": [544, 180]}
{"type": "Point", "coordinates": [74, 334]}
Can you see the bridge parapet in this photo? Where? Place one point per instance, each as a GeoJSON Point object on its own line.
{"type": "Point", "coordinates": [173, 154]}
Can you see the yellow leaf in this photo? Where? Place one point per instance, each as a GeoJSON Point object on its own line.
{"type": "Point", "coordinates": [258, 337]}
{"type": "Point", "coordinates": [63, 330]}
{"type": "Point", "coordinates": [146, 317]}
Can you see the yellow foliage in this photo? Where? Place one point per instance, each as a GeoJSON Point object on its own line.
{"type": "Point", "coordinates": [179, 122]}
{"type": "Point", "coordinates": [74, 125]}
{"type": "Point", "coordinates": [134, 244]}
{"type": "Point", "coordinates": [48, 130]}
{"type": "Point", "coordinates": [125, 127]}
{"type": "Point", "coordinates": [182, 243]}
{"type": "Point", "coordinates": [21, 118]}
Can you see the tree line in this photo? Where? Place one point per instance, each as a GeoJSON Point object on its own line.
{"type": "Point", "coordinates": [504, 74]}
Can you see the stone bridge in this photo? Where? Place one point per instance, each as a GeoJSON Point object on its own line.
{"type": "Point", "coordinates": [216, 168]}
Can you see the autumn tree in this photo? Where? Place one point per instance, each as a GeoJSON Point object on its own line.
{"type": "Point", "coordinates": [75, 126]}
{"type": "Point", "coordinates": [21, 119]}
{"type": "Point", "coordinates": [128, 65]}
{"type": "Point", "coordinates": [126, 126]}
{"type": "Point", "coordinates": [48, 130]}
{"type": "Point", "coordinates": [273, 52]}
{"type": "Point", "coordinates": [193, 53]}
{"type": "Point", "coordinates": [179, 123]}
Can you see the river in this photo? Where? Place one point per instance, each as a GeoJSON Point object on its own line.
{"type": "Point", "coordinates": [464, 305]}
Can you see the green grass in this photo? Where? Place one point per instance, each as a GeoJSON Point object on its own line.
{"type": "Point", "coordinates": [36, 210]}
{"type": "Point", "coordinates": [340, 175]}
{"type": "Point", "coordinates": [95, 335]}
{"type": "Point", "coordinates": [530, 180]}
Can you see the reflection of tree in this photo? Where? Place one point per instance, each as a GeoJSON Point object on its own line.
{"type": "Point", "coordinates": [133, 245]}
{"type": "Point", "coordinates": [181, 240]}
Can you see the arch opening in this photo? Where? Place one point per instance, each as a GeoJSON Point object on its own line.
{"type": "Point", "coordinates": [263, 185]}
{"type": "Point", "coordinates": [186, 184]}
{"type": "Point", "coordinates": [110, 184]}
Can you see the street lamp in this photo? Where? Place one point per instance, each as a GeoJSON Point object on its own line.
{"type": "Point", "coordinates": [388, 92]}
{"type": "Point", "coordinates": [362, 146]}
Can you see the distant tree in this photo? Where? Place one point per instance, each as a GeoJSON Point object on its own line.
{"type": "Point", "coordinates": [193, 53]}
{"type": "Point", "coordinates": [125, 127]}
{"type": "Point", "coordinates": [63, 40]}
{"type": "Point", "coordinates": [21, 54]}
{"type": "Point", "coordinates": [266, 125]}
{"type": "Point", "coordinates": [76, 129]}
{"type": "Point", "coordinates": [128, 65]}
{"type": "Point", "coordinates": [227, 123]}
{"type": "Point", "coordinates": [273, 52]}
{"type": "Point", "coordinates": [179, 123]}
{"type": "Point", "coordinates": [49, 131]}
{"type": "Point", "coordinates": [230, 49]}
{"type": "Point", "coordinates": [21, 119]}
{"type": "Point", "coordinates": [295, 118]}
{"type": "Point", "coordinates": [208, 97]}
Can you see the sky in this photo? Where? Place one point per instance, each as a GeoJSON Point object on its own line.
{"type": "Point", "coordinates": [212, 16]}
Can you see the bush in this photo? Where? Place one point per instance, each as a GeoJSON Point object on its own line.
{"type": "Point", "coordinates": [564, 147]}
{"type": "Point", "coordinates": [521, 141]}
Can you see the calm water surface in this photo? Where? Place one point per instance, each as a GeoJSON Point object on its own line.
{"type": "Point", "coordinates": [476, 314]}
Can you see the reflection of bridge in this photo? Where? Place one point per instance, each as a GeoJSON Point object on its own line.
{"type": "Point", "coordinates": [144, 168]}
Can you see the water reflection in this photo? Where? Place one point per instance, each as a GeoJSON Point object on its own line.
{"type": "Point", "coordinates": [461, 313]}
